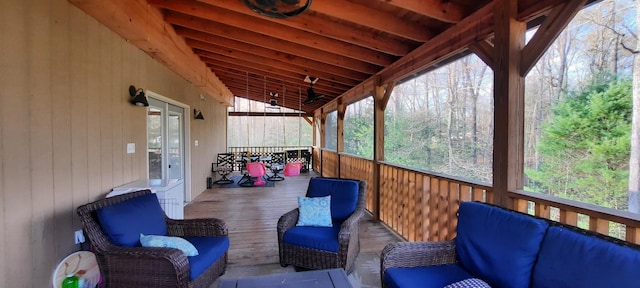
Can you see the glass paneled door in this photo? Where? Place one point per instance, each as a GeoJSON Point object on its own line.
{"type": "Point", "coordinates": [165, 132]}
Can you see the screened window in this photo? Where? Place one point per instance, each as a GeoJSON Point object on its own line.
{"type": "Point", "coordinates": [442, 121]}
{"type": "Point", "coordinates": [578, 110]}
{"type": "Point", "coordinates": [358, 128]}
{"type": "Point", "coordinates": [331, 132]}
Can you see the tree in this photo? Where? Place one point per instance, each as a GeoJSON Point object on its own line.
{"type": "Point", "coordinates": [634, 158]}
{"type": "Point", "coordinates": [585, 145]}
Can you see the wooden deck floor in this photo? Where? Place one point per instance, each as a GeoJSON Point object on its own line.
{"type": "Point", "coordinates": [252, 214]}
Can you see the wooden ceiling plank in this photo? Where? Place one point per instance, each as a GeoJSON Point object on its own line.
{"type": "Point", "coordinates": [264, 52]}
{"type": "Point", "coordinates": [258, 85]}
{"type": "Point", "coordinates": [311, 22]}
{"type": "Point", "coordinates": [275, 30]}
{"type": "Point", "coordinates": [372, 18]}
{"type": "Point", "coordinates": [273, 66]}
{"type": "Point", "coordinates": [312, 67]}
{"type": "Point", "coordinates": [485, 51]}
{"type": "Point", "coordinates": [283, 75]}
{"type": "Point", "coordinates": [552, 26]}
{"type": "Point", "coordinates": [235, 74]}
{"type": "Point", "coordinates": [144, 27]}
{"type": "Point", "coordinates": [268, 114]}
{"type": "Point", "coordinates": [261, 70]}
{"type": "Point", "coordinates": [445, 11]}
{"type": "Point", "coordinates": [261, 40]}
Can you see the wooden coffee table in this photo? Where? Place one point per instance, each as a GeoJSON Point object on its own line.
{"type": "Point", "coordinates": [309, 279]}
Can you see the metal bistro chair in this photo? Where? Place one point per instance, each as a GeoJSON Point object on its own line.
{"type": "Point", "coordinates": [276, 166]}
{"type": "Point", "coordinates": [224, 167]}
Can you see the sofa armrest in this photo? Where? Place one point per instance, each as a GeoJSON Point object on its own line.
{"type": "Point", "coordinates": [158, 267]}
{"type": "Point", "coordinates": [197, 227]}
{"type": "Point", "coordinates": [416, 254]}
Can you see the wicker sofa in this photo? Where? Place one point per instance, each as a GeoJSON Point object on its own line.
{"type": "Point", "coordinates": [113, 226]}
{"type": "Point", "coordinates": [510, 249]}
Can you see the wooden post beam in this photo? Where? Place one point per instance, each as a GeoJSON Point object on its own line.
{"type": "Point", "coordinates": [485, 51]}
{"type": "Point", "coordinates": [557, 20]}
{"type": "Point", "coordinates": [508, 153]}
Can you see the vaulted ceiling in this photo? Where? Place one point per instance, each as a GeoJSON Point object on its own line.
{"type": "Point", "coordinates": [341, 42]}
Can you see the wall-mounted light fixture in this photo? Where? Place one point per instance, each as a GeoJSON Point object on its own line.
{"type": "Point", "coordinates": [197, 114]}
{"type": "Point", "coordinates": [137, 96]}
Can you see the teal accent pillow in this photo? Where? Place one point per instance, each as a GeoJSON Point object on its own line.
{"type": "Point", "coordinates": [314, 211]}
{"type": "Point", "coordinates": [168, 242]}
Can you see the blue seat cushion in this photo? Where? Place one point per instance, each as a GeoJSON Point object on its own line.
{"type": "Point", "coordinates": [344, 195]}
{"type": "Point", "coordinates": [497, 245]}
{"type": "Point", "coordinates": [571, 259]}
{"type": "Point", "coordinates": [124, 222]}
{"type": "Point", "coordinates": [425, 276]}
{"type": "Point", "coordinates": [322, 238]}
{"type": "Point", "coordinates": [210, 249]}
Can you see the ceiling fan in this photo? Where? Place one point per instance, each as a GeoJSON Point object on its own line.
{"type": "Point", "coordinates": [278, 8]}
{"type": "Point", "coordinates": [273, 102]}
{"type": "Point", "coordinates": [311, 95]}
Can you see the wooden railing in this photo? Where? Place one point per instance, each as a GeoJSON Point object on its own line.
{"type": "Point", "coordinates": [270, 151]}
{"type": "Point", "coordinates": [619, 224]}
{"type": "Point", "coordinates": [329, 163]}
{"type": "Point", "coordinates": [359, 168]}
{"type": "Point", "coordinates": [422, 206]}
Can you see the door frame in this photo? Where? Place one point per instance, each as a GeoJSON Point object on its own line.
{"type": "Point", "coordinates": [187, 142]}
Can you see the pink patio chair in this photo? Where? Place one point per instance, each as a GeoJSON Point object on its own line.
{"type": "Point", "coordinates": [256, 170]}
{"type": "Point", "coordinates": [292, 169]}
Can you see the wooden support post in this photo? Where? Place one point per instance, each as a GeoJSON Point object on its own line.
{"type": "Point", "coordinates": [323, 123]}
{"type": "Point", "coordinates": [508, 139]}
{"type": "Point", "coordinates": [342, 108]}
{"type": "Point", "coordinates": [381, 96]}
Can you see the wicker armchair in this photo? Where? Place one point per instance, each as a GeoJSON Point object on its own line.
{"type": "Point", "coordinates": [149, 267]}
{"type": "Point", "coordinates": [416, 254]}
{"type": "Point", "coordinates": [348, 236]}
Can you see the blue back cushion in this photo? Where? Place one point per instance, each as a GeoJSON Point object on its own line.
{"type": "Point", "coordinates": [571, 259]}
{"type": "Point", "coordinates": [123, 222]}
{"type": "Point", "coordinates": [497, 245]}
{"type": "Point", "coordinates": [344, 195]}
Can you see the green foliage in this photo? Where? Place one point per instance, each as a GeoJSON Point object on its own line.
{"type": "Point", "coordinates": [585, 145]}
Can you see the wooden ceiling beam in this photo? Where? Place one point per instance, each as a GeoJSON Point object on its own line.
{"type": "Point", "coordinates": [445, 11]}
{"type": "Point", "coordinates": [261, 40]}
{"type": "Point", "coordinates": [478, 25]}
{"type": "Point", "coordinates": [144, 27]}
{"type": "Point", "coordinates": [236, 74]}
{"type": "Point", "coordinates": [294, 64]}
{"type": "Point", "coordinates": [212, 58]}
{"type": "Point", "coordinates": [552, 26]}
{"type": "Point", "coordinates": [314, 23]}
{"type": "Point", "coordinates": [257, 25]}
{"type": "Point", "coordinates": [266, 52]}
{"type": "Point", "coordinates": [485, 51]}
{"type": "Point", "coordinates": [372, 18]}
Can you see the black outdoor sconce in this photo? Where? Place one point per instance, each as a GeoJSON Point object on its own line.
{"type": "Point", "coordinates": [137, 97]}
